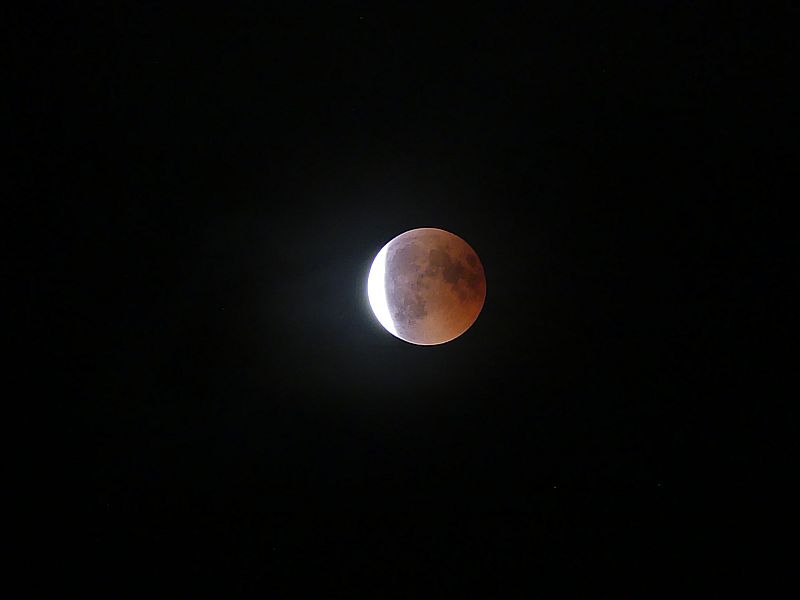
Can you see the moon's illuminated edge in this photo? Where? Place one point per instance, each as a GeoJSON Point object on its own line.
{"type": "Point", "coordinates": [376, 291]}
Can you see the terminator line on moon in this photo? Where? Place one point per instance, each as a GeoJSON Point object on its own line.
{"type": "Point", "coordinates": [426, 286]}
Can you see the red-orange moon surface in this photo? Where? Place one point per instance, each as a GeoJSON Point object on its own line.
{"type": "Point", "coordinates": [427, 286]}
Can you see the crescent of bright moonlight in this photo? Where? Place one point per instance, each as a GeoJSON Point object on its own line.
{"type": "Point", "coordinates": [426, 286]}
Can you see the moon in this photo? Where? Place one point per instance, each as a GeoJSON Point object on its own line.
{"type": "Point", "coordinates": [426, 286]}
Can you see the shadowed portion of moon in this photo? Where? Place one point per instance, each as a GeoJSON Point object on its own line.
{"type": "Point", "coordinates": [434, 286]}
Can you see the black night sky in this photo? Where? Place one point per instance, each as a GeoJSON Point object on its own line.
{"type": "Point", "coordinates": [228, 414]}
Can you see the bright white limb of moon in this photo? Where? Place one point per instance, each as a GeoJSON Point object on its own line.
{"type": "Point", "coordinates": [376, 290]}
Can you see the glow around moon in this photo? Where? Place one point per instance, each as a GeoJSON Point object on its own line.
{"type": "Point", "coordinates": [426, 286]}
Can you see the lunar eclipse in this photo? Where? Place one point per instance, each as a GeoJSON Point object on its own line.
{"type": "Point", "coordinates": [426, 286]}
